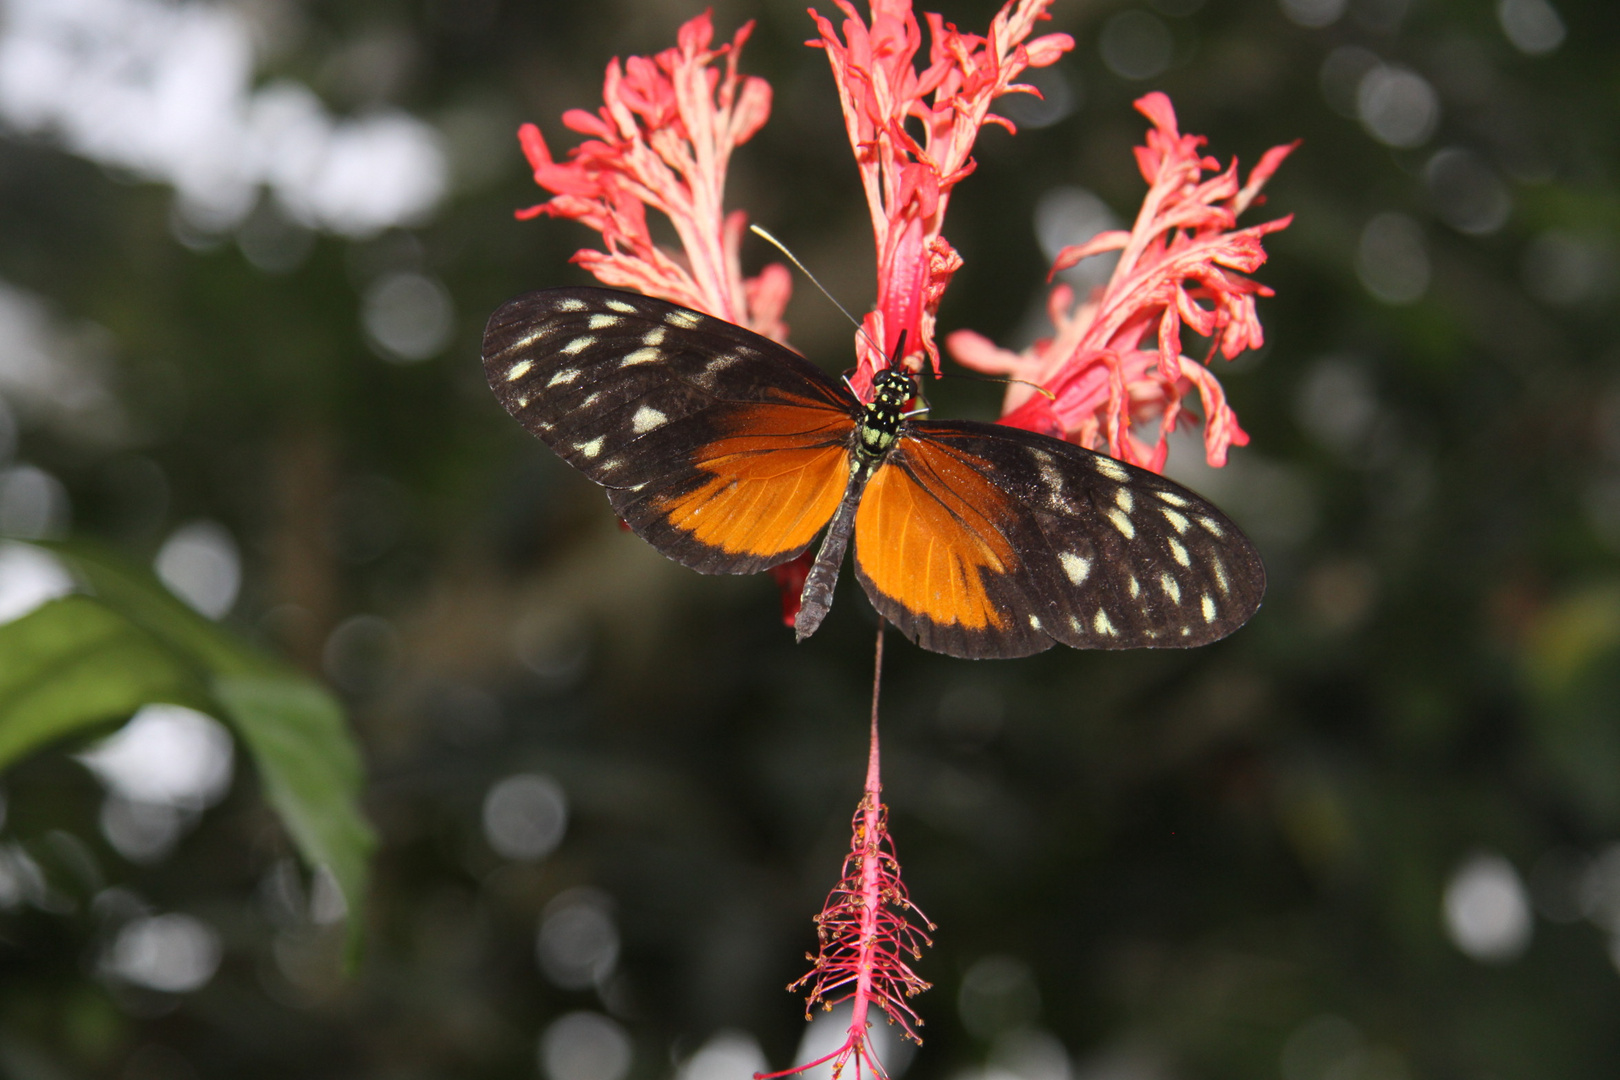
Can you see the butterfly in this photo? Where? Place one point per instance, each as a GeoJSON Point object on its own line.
{"type": "Point", "coordinates": [730, 453]}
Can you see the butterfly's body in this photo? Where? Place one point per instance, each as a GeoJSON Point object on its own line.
{"type": "Point", "coordinates": [730, 453]}
{"type": "Point", "coordinates": [877, 433]}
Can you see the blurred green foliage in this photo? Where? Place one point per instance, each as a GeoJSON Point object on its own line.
{"type": "Point", "coordinates": [1245, 861]}
{"type": "Point", "coordinates": [77, 663]}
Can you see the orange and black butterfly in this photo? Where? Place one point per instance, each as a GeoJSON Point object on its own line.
{"type": "Point", "coordinates": [730, 454]}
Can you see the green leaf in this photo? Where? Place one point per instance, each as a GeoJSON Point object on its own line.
{"type": "Point", "coordinates": [137, 594]}
{"type": "Point", "coordinates": [311, 773]}
{"type": "Point", "coordinates": [72, 665]}
{"type": "Point", "coordinates": [84, 661]}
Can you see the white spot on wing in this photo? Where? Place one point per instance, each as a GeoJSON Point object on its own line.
{"type": "Point", "coordinates": [519, 369]}
{"type": "Point", "coordinates": [571, 304]}
{"type": "Point", "coordinates": [1208, 604]}
{"type": "Point", "coordinates": [653, 337]}
{"type": "Point", "coordinates": [1172, 498]}
{"type": "Point", "coordinates": [1122, 523]}
{"type": "Point", "coordinates": [1034, 623]}
{"type": "Point", "coordinates": [621, 307]}
{"type": "Point", "coordinates": [640, 356]}
{"type": "Point", "coordinates": [578, 345]}
{"type": "Point", "coordinates": [1136, 587]}
{"type": "Point", "coordinates": [1122, 499]}
{"type": "Point", "coordinates": [1111, 469]}
{"type": "Point", "coordinates": [1210, 527]}
{"type": "Point", "coordinates": [563, 377]}
{"type": "Point", "coordinates": [1075, 566]}
{"type": "Point", "coordinates": [1177, 521]}
{"type": "Point", "coordinates": [1179, 552]}
{"type": "Point", "coordinates": [590, 449]}
{"type": "Point", "coordinates": [602, 322]}
{"type": "Point", "coordinates": [1102, 624]}
{"type": "Point", "coordinates": [646, 419]}
{"type": "Point", "coordinates": [1220, 576]}
{"type": "Point", "coordinates": [715, 366]}
{"type": "Point", "coordinates": [687, 320]}
{"type": "Point", "coordinates": [522, 401]}
{"type": "Point", "coordinates": [1171, 587]}
{"type": "Point", "coordinates": [526, 340]}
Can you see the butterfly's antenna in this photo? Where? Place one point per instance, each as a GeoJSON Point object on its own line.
{"type": "Point", "coordinates": [1037, 387]}
{"type": "Point", "coordinates": [794, 259]}
{"type": "Point", "coordinates": [900, 347]}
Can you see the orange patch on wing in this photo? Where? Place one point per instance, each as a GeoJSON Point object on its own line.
{"type": "Point", "coordinates": [923, 534]}
{"type": "Point", "coordinates": [776, 477]}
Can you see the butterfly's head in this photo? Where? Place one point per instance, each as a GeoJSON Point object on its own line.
{"type": "Point", "coordinates": [892, 388]}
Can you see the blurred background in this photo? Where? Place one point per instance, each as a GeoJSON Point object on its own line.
{"type": "Point", "coordinates": [246, 253]}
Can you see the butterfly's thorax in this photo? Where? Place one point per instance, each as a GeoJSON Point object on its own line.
{"type": "Point", "coordinates": [880, 420]}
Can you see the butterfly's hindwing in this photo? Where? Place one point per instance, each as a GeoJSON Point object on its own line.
{"type": "Point", "coordinates": [724, 450]}
{"type": "Point", "coordinates": [1103, 554]}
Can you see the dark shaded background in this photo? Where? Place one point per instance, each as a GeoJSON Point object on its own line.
{"type": "Point", "coordinates": [1235, 862]}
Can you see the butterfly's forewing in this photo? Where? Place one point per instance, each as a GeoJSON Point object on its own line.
{"type": "Point", "coordinates": [721, 448]}
{"type": "Point", "coordinates": [979, 540]}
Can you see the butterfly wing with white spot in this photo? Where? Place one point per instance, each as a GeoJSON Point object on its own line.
{"type": "Point", "coordinates": [980, 540]}
{"type": "Point", "coordinates": [724, 450]}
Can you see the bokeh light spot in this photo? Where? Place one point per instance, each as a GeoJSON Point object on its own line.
{"type": "Point", "coordinates": [727, 1055]}
{"type": "Point", "coordinates": [200, 564]}
{"type": "Point", "coordinates": [33, 504]}
{"type": "Point", "coordinates": [1467, 193]}
{"type": "Point", "coordinates": [525, 816]}
{"type": "Point", "coordinates": [1397, 106]}
{"type": "Point", "coordinates": [578, 944]}
{"type": "Point", "coordinates": [1314, 14]}
{"type": "Point", "coordinates": [1487, 911]}
{"type": "Point", "coordinates": [1533, 26]}
{"type": "Point", "coordinates": [1136, 45]}
{"type": "Point", "coordinates": [585, 1046]}
{"type": "Point", "coordinates": [29, 577]}
{"type": "Point", "coordinates": [1392, 259]}
{"type": "Point", "coordinates": [175, 953]}
{"type": "Point", "coordinates": [168, 755]}
{"type": "Point", "coordinates": [408, 316]}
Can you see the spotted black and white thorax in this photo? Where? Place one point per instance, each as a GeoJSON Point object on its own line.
{"type": "Point", "coordinates": [882, 416]}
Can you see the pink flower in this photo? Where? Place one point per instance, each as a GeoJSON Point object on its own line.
{"type": "Point", "coordinates": [663, 139]}
{"type": "Point", "coordinates": [908, 183]}
{"type": "Point", "coordinates": [1182, 263]}
{"type": "Point", "coordinates": [867, 932]}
